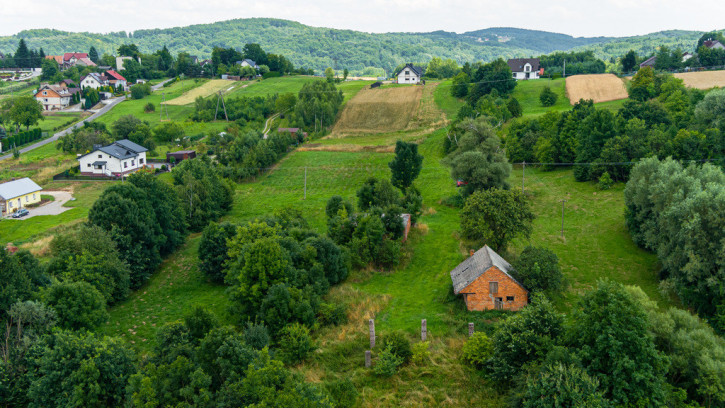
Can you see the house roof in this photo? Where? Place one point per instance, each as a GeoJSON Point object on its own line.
{"type": "Point", "coordinates": [115, 75]}
{"type": "Point", "coordinates": [120, 149]}
{"type": "Point", "coordinates": [60, 90]}
{"type": "Point", "coordinates": [517, 64]}
{"type": "Point", "coordinates": [649, 61]}
{"type": "Point", "coordinates": [99, 163]}
{"type": "Point", "coordinates": [86, 61]}
{"type": "Point", "coordinates": [182, 152]}
{"type": "Point", "coordinates": [17, 188]}
{"type": "Point", "coordinates": [56, 58]}
{"type": "Point", "coordinates": [711, 43]}
{"type": "Point", "coordinates": [95, 75]}
{"type": "Point", "coordinates": [416, 70]}
{"type": "Point", "coordinates": [472, 268]}
{"type": "Point", "coordinates": [68, 81]}
{"type": "Point", "coordinates": [78, 55]}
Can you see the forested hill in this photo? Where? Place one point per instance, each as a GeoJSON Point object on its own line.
{"type": "Point", "coordinates": [318, 48]}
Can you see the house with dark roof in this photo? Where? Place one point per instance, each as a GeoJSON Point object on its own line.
{"type": "Point", "coordinates": [17, 194]}
{"type": "Point", "coordinates": [248, 63]}
{"type": "Point", "coordinates": [713, 44]}
{"type": "Point", "coordinates": [93, 80]}
{"type": "Point", "coordinates": [117, 159]}
{"type": "Point", "coordinates": [525, 68]}
{"type": "Point", "coordinates": [411, 74]}
{"type": "Point", "coordinates": [485, 281]}
{"type": "Point", "coordinates": [649, 62]}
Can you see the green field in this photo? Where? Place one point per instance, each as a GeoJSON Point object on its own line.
{"type": "Point", "coordinates": [59, 121]}
{"type": "Point", "coordinates": [527, 93]}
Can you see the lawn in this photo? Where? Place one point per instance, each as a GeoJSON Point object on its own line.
{"type": "Point", "coordinates": [527, 93]}
{"type": "Point", "coordinates": [58, 121]}
{"type": "Point", "coordinates": [445, 101]}
{"type": "Point", "coordinates": [272, 86]}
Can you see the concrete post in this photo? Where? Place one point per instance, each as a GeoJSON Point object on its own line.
{"type": "Point", "coordinates": [368, 358]}
{"type": "Point", "coordinates": [470, 329]}
{"type": "Point", "coordinates": [423, 330]}
{"type": "Point", "coordinates": [372, 333]}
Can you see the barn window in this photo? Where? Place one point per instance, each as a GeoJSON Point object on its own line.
{"type": "Point", "coordinates": [493, 287]}
{"type": "Point", "coordinates": [509, 298]}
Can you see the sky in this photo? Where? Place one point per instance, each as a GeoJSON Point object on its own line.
{"type": "Point", "coordinates": [574, 17]}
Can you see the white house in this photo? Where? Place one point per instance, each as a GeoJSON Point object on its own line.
{"type": "Point", "coordinates": [121, 60]}
{"type": "Point", "coordinates": [714, 44]}
{"type": "Point", "coordinates": [525, 68]}
{"type": "Point", "coordinates": [248, 63]}
{"type": "Point", "coordinates": [94, 80]}
{"type": "Point", "coordinates": [119, 158]}
{"type": "Point", "coordinates": [410, 74]}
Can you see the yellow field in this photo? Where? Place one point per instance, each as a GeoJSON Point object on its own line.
{"type": "Point", "coordinates": [379, 110]}
{"type": "Point", "coordinates": [703, 80]}
{"type": "Point", "coordinates": [597, 87]}
{"type": "Point", "coordinates": [209, 88]}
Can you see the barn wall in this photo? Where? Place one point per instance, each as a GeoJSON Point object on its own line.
{"type": "Point", "coordinates": [477, 293]}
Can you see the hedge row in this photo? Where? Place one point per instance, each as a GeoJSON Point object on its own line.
{"type": "Point", "coordinates": [21, 139]}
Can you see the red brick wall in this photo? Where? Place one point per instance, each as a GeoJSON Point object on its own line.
{"type": "Point", "coordinates": [477, 294]}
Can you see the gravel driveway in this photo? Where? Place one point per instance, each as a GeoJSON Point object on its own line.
{"type": "Point", "coordinates": [53, 208]}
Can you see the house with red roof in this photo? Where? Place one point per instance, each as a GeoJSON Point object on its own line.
{"type": "Point", "coordinates": [114, 78]}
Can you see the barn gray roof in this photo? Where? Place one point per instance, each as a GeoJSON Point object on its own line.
{"type": "Point", "coordinates": [17, 188]}
{"type": "Point", "coordinates": [469, 270]}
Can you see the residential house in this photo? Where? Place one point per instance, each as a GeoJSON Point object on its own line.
{"type": "Point", "coordinates": [410, 74]}
{"type": "Point", "coordinates": [248, 63]}
{"type": "Point", "coordinates": [56, 58]}
{"type": "Point", "coordinates": [84, 62]}
{"type": "Point", "coordinates": [94, 80]}
{"type": "Point", "coordinates": [115, 79]}
{"type": "Point", "coordinates": [119, 158]}
{"type": "Point", "coordinates": [71, 58]}
{"type": "Point", "coordinates": [525, 68]}
{"type": "Point", "coordinates": [121, 60]}
{"type": "Point", "coordinates": [686, 56]}
{"type": "Point", "coordinates": [293, 131]}
{"type": "Point", "coordinates": [649, 62]}
{"type": "Point", "coordinates": [485, 281]}
{"type": "Point", "coordinates": [713, 44]}
{"type": "Point", "coordinates": [55, 97]}
{"type": "Point", "coordinates": [17, 194]}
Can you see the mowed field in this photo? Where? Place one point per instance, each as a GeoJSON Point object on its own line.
{"type": "Point", "coordinates": [703, 80]}
{"type": "Point", "coordinates": [209, 88]}
{"type": "Point", "coordinates": [379, 110]}
{"type": "Point", "coordinates": [597, 87]}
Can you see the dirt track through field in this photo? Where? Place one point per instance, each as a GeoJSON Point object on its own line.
{"type": "Point", "coordinates": [209, 88]}
{"type": "Point", "coordinates": [703, 80]}
{"type": "Point", "coordinates": [598, 87]}
{"type": "Point", "coordinates": [379, 110]}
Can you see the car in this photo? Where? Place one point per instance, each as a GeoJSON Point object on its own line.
{"type": "Point", "coordinates": [21, 213]}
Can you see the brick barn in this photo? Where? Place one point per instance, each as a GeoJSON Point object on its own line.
{"type": "Point", "coordinates": [485, 283]}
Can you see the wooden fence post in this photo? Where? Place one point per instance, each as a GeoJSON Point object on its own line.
{"type": "Point", "coordinates": [368, 359]}
{"type": "Point", "coordinates": [372, 333]}
{"type": "Point", "coordinates": [470, 329]}
{"type": "Point", "coordinates": [423, 330]}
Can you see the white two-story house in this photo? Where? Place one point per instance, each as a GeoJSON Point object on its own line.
{"type": "Point", "coordinates": [410, 74]}
{"type": "Point", "coordinates": [525, 68]}
{"type": "Point", "coordinates": [93, 80]}
{"type": "Point", "coordinates": [119, 158]}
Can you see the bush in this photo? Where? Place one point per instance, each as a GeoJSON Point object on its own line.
{"type": "Point", "coordinates": [200, 321]}
{"type": "Point", "coordinates": [399, 345]}
{"type": "Point", "coordinates": [271, 74]}
{"type": "Point", "coordinates": [295, 344]}
{"type": "Point", "coordinates": [477, 349]}
{"type": "Point", "coordinates": [605, 181]}
{"type": "Point", "coordinates": [256, 336]}
{"type": "Point", "coordinates": [139, 91]}
{"type": "Point", "coordinates": [333, 314]}
{"type": "Point", "coordinates": [150, 107]}
{"type": "Point", "coordinates": [342, 393]}
{"type": "Point", "coordinates": [421, 354]}
{"type": "Point", "coordinates": [78, 304]}
{"type": "Point", "coordinates": [387, 363]}
{"type": "Point", "coordinates": [547, 97]}
{"type": "Point", "coordinates": [538, 269]}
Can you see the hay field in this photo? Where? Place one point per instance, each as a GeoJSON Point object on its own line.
{"type": "Point", "coordinates": [597, 87]}
{"type": "Point", "coordinates": [209, 88]}
{"type": "Point", "coordinates": [379, 110]}
{"type": "Point", "coordinates": [703, 80]}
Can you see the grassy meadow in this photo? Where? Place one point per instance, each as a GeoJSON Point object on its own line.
{"type": "Point", "coordinates": [527, 93]}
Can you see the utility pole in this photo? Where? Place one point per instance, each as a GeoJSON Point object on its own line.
{"type": "Point", "coordinates": [523, 178]}
{"type": "Point", "coordinates": [564, 75]}
{"type": "Point", "coordinates": [305, 183]}
{"type": "Point", "coordinates": [562, 218]}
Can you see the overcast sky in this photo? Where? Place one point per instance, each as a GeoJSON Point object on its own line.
{"type": "Point", "coordinates": [574, 17]}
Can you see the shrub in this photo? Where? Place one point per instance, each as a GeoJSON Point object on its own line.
{"type": "Point", "coordinates": [477, 349]}
{"type": "Point", "coordinates": [200, 321]}
{"type": "Point", "coordinates": [256, 336]}
{"type": "Point", "coordinates": [79, 305]}
{"type": "Point", "coordinates": [538, 269]}
{"type": "Point", "coordinates": [605, 181]}
{"type": "Point", "coordinates": [421, 353]}
{"type": "Point", "coordinates": [150, 107]}
{"type": "Point", "coordinates": [547, 97]}
{"type": "Point", "coordinates": [295, 343]}
{"type": "Point", "coordinates": [387, 363]}
{"type": "Point", "coordinates": [139, 91]}
{"type": "Point", "coordinates": [333, 314]}
{"type": "Point", "coordinates": [342, 393]}
{"type": "Point", "coordinates": [399, 345]}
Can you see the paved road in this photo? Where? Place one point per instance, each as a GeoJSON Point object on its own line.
{"type": "Point", "coordinates": [91, 118]}
{"type": "Point", "coordinates": [52, 208]}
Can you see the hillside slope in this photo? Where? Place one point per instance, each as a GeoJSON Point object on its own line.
{"type": "Point", "coordinates": [361, 53]}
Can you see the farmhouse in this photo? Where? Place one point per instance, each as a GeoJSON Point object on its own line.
{"type": "Point", "coordinates": [410, 74]}
{"type": "Point", "coordinates": [525, 68]}
{"type": "Point", "coordinates": [55, 97]}
{"type": "Point", "coordinates": [485, 283]}
{"type": "Point", "coordinates": [115, 79]}
{"type": "Point", "coordinates": [17, 194]}
{"type": "Point", "coordinates": [119, 158]}
{"type": "Point", "coordinates": [94, 80]}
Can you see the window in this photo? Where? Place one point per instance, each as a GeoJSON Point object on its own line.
{"type": "Point", "coordinates": [514, 74]}
{"type": "Point", "coordinates": [509, 298]}
{"type": "Point", "coordinates": [89, 164]}
{"type": "Point", "coordinates": [33, 196]}
{"type": "Point", "coordinates": [11, 204]}
{"type": "Point", "coordinates": [100, 156]}
{"type": "Point", "coordinates": [407, 72]}
{"type": "Point", "coordinates": [45, 93]}
{"type": "Point", "coordinates": [493, 287]}
{"type": "Point", "coordinates": [26, 199]}
{"type": "Point", "coordinates": [140, 161]}
{"type": "Point", "coordinates": [133, 162]}
{"type": "Point", "coordinates": [125, 165]}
